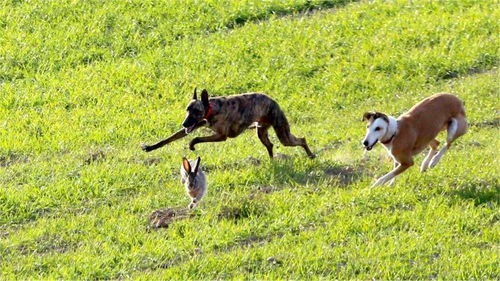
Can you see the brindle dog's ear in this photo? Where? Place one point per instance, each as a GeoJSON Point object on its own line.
{"type": "Point", "coordinates": [204, 98]}
{"type": "Point", "coordinates": [194, 95]}
{"type": "Point", "coordinates": [368, 115]}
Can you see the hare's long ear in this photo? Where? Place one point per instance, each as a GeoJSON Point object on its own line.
{"type": "Point", "coordinates": [197, 165]}
{"type": "Point", "coordinates": [186, 165]}
{"type": "Point", "coordinates": [204, 98]}
{"type": "Point", "coordinates": [194, 94]}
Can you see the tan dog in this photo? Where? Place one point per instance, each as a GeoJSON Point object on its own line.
{"type": "Point", "coordinates": [413, 131]}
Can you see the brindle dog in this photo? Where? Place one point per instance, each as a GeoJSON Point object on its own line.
{"type": "Point", "coordinates": [229, 116]}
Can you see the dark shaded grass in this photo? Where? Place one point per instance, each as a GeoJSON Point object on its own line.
{"type": "Point", "coordinates": [305, 8]}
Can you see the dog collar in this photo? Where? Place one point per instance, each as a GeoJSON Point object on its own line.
{"type": "Point", "coordinates": [209, 111]}
{"type": "Point", "coordinates": [389, 140]}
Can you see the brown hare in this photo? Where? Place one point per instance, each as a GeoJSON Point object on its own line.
{"type": "Point", "coordinates": [194, 180]}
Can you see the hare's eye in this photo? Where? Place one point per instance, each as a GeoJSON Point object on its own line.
{"type": "Point", "coordinates": [377, 129]}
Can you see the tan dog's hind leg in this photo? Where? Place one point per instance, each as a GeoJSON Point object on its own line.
{"type": "Point", "coordinates": [434, 146]}
{"type": "Point", "coordinates": [457, 127]}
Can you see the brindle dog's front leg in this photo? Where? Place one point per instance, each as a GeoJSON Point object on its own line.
{"type": "Point", "coordinates": [213, 138]}
{"type": "Point", "coordinates": [178, 135]}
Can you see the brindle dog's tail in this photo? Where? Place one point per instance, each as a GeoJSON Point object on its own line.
{"type": "Point", "coordinates": [282, 128]}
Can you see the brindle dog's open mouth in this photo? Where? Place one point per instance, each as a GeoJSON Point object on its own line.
{"type": "Point", "coordinates": [189, 129]}
{"type": "Point", "coordinates": [368, 148]}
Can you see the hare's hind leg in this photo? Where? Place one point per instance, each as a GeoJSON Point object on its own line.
{"type": "Point", "coordinates": [193, 203]}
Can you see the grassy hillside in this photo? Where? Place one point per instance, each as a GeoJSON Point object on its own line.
{"type": "Point", "coordinates": [84, 83]}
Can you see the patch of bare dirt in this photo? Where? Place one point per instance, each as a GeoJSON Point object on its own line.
{"type": "Point", "coordinates": [234, 213]}
{"type": "Point", "coordinates": [95, 156]}
{"type": "Point", "coordinates": [151, 161]}
{"type": "Point", "coordinates": [245, 210]}
{"type": "Point", "coordinates": [261, 190]}
{"type": "Point", "coordinates": [495, 123]}
{"type": "Point", "coordinates": [253, 161]}
{"type": "Point", "coordinates": [12, 158]}
{"type": "Point", "coordinates": [474, 144]}
{"type": "Point", "coordinates": [252, 240]}
{"type": "Point", "coordinates": [46, 244]}
{"type": "Point", "coordinates": [273, 261]}
{"type": "Point", "coordinates": [162, 218]}
{"type": "Point", "coordinates": [282, 156]}
{"type": "Point", "coordinates": [345, 174]}
{"type": "Point", "coordinates": [266, 189]}
{"type": "Point", "coordinates": [332, 145]}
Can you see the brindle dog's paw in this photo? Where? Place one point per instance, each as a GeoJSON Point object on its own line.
{"type": "Point", "coordinates": [191, 146]}
{"type": "Point", "coordinates": [146, 148]}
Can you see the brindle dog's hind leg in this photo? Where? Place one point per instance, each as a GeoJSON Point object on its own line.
{"type": "Point", "coordinates": [262, 132]}
{"type": "Point", "coordinates": [178, 135]}
{"type": "Point", "coordinates": [287, 139]}
{"type": "Point", "coordinates": [213, 138]}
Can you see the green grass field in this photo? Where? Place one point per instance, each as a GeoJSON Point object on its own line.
{"type": "Point", "coordinates": [84, 83]}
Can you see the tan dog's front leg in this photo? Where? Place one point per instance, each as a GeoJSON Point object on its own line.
{"type": "Point", "coordinates": [396, 164]}
{"type": "Point", "coordinates": [389, 176]}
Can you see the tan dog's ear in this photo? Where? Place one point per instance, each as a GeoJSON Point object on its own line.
{"type": "Point", "coordinates": [368, 115]}
{"type": "Point", "coordinates": [194, 95]}
{"type": "Point", "coordinates": [375, 115]}
{"type": "Point", "coordinates": [186, 165]}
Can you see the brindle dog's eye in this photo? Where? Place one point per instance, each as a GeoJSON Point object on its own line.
{"type": "Point", "coordinates": [377, 129]}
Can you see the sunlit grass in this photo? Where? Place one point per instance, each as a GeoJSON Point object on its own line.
{"type": "Point", "coordinates": [83, 84]}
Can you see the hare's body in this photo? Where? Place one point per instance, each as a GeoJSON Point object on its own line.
{"type": "Point", "coordinates": [194, 180]}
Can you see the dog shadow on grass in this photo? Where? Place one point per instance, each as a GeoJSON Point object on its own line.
{"type": "Point", "coordinates": [481, 192]}
{"type": "Point", "coordinates": [337, 175]}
